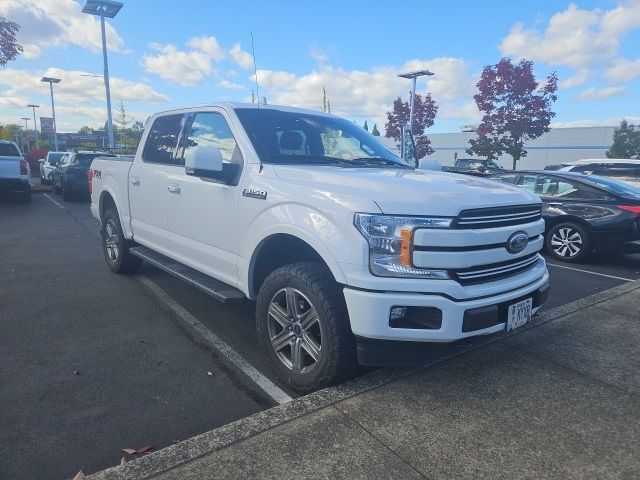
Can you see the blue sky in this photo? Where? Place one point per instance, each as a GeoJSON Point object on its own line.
{"type": "Point", "coordinates": [166, 54]}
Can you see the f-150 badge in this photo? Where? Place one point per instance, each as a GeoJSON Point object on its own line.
{"type": "Point", "coordinates": [255, 193]}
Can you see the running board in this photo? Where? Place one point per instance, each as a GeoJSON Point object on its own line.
{"type": "Point", "coordinates": [217, 289]}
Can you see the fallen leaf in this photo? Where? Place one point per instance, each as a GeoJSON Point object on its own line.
{"type": "Point", "coordinates": [79, 476]}
{"type": "Point", "coordinates": [130, 451]}
{"type": "Point", "coordinates": [210, 374]}
{"type": "Point", "coordinates": [123, 461]}
{"type": "Point", "coordinates": [144, 449]}
{"type": "Point", "coordinates": [76, 372]}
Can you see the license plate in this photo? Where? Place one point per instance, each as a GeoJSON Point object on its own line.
{"type": "Point", "coordinates": [519, 314]}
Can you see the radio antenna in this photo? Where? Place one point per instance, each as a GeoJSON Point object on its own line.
{"type": "Point", "coordinates": [255, 69]}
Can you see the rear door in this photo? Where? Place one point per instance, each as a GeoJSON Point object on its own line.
{"type": "Point", "coordinates": [9, 161]}
{"type": "Point", "coordinates": [148, 182]}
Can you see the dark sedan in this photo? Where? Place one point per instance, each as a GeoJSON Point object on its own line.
{"type": "Point", "coordinates": [583, 213]}
{"type": "Point", "coordinates": [70, 176]}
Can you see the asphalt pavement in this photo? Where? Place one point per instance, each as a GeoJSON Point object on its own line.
{"type": "Point", "coordinates": [141, 376]}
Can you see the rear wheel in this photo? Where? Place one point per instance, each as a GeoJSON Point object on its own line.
{"type": "Point", "coordinates": [115, 247]}
{"type": "Point", "coordinates": [303, 324]}
{"type": "Point", "coordinates": [568, 242]}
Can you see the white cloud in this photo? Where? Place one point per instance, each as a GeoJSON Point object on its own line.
{"type": "Point", "coordinates": [576, 80]}
{"type": "Point", "coordinates": [7, 101]}
{"type": "Point", "coordinates": [623, 70]}
{"type": "Point", "coordinates": [208, 45]}
{"type": "Point", "coordinates": [227, 85]}
{"type": "Point", "coordinates": [242, 58]}
{"type": "Point", "coordinates": [370, 94]}
{"type": "Point", "coordinates": [608, 122]}
{"type": "Point", "coordinates": [318, 54]}
{"type": "Point", "coordinates": [56, 23]}
{"type": "Point", "coordinates": [593, 93]}
{"type": "Point", "coordinates": [575, 37]}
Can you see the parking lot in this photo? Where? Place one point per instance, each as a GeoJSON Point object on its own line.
{"type": "Point", "coordinates": [94, 363]}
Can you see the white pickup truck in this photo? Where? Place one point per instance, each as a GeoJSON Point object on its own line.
{"type": "Point", "coordinates": [350, 254]}
{"type": "Point", "coordinates": [14, 171]}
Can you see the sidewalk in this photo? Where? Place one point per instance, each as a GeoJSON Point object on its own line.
{"type": "Point", "coordinates": [558, 400]}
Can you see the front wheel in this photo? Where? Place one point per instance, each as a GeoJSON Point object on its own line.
{"type": "Point", "coordinates": [303, 324]}
{"type": "Point", "coordinates": [115, 247]}
{"type": "Point", "coordinates": [568, 242]}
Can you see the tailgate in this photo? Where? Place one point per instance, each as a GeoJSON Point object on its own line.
{"type": "Point", "coordinates": [10, 167]}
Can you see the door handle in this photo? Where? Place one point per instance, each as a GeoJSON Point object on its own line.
{"type": "Point", "coordinates": [134, 181]}
{"type": "Point", "coordinates": [175, 189]}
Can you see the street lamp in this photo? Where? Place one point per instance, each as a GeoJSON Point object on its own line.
{"type": "Point", "coordinates": [35, 125]}
{"type": "Point", "coordinates": [51, 81]}
{"type": "Point", "coordinates": [109, 9]}
{"type": "Point", "coordinates": [414, 75]}
{"type": "Point", "coordinates": [26, 119]}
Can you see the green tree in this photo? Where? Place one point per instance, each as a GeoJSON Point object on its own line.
{"type": "Point", "coordinates": [10, 131]}
{"type": "Point", "coordinates": [366, 126]}
{"type": "Point", "coordinates": [326, 104]}
{"type": "Point", "coordinates": [626, 142]}
{"type": "Point", "coordinates": [9, 49]}
{"type": "Point", "coordinates": [85, 130]}
{"type": "Point", "coordinates": [374, 131]}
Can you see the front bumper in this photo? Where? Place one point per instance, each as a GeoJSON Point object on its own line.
{"type": "Point", "coordinates": [369, 312]}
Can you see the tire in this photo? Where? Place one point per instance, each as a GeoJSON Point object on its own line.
{"type": "Point", "coordinates": [115, 247]}
{"type": "Point", "coordinates": [323, 343]}
{"type": "Point", "coordinates": [56, 188]}
{"type": "Point", "coordinates": [568, 242]}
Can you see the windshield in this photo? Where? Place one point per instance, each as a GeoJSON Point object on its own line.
{"type": "Point", "coordinates": [54, 158]}
{"type": "Point", "coordinates": [612, 186]}
{"type": "Point", "coordinates": [302, 138]}
{"type": "Point", "coordinates": [8, 150]}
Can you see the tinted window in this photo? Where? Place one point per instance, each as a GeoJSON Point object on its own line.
{"type": "Point", "coordinates": [54, 158]}
{"type": "Point", "coordinates": [511, 179]}
{"type": "Point", "coordinates": [211, 130]}
{"type": "Point", "coordinates": [162, 139]}
{"type": "Point", "coordinates": [9, 150]}
{"type": "Point", "coordinates": [612, 186]}
{"type": "Point", "coordinates": [85, 159]}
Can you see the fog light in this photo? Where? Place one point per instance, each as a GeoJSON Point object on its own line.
{"type": "Point", "coordinates": [397, 314]}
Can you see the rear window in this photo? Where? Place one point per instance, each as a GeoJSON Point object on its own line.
{"type": "Point", "coordinates": [612, 186]}
{"type": "Point", "coordinates": [162, 139]}
{"type": "Point", "coordinates": [8, 150]}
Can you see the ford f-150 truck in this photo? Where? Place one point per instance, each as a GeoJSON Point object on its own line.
{"type": "Point", "coordinates": [14, 171]}
{"type": "Point", "coordinates": [350, 254]}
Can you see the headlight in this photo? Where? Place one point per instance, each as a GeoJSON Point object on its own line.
{"type": "Point", "coordinates": [391, 241]}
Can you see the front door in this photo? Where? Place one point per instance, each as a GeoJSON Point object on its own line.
{"type": "Point", "coordinates": [203, 213]}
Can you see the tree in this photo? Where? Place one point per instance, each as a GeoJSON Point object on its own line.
{"type": "Point", "coordinates": [424, 113]}
{"type": "Point", "coordinates": [9, 49]}
{"type": "Point", "coordinates": [122, 120]}
{"type": "Point", "coordinates": [515, 107]}
{"type": "Point", "coordinates": [626, 142]}
{"type": "Point", "coordinates": [375, 132]}
{"type": "Point", "coordinates": [85, 130]}
{"type": "Point", "coordinates": [366, 126]}
{"type": "Point", "coordinates": [326, 104]}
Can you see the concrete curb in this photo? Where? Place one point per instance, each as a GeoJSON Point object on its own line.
{"type": "Point", "coordinates": [200, 445]}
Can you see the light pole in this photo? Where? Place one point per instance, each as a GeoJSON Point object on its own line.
{"type": "Point", "coordinates": [26, 119]}
{"type": "Point", "coordinates": [35, 125]}
{"type": "Point", "coordinates": [414, 76]}
{"type": "Point", "coordinates": [51, 81]}
{"type": "Point", "coordinates": [109, 9]}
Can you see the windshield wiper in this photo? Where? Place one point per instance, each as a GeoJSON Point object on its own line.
{"type": "Point", "coordinates": [376, 161]}
{"type": "Point", "coordinates": [309, 159]}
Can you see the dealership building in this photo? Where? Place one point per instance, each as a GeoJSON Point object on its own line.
{"type": "Point", "coordinates": [559, 145]}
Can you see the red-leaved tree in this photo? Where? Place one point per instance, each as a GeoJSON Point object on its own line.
{"type": "Point", "coordinates": [9, 49]}
{"type": "Point", "coordinates": [424, 113]}
{"type": "Point", "coordinates": [516, 108]}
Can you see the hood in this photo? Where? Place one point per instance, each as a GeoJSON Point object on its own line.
{"type": "Point", "coordinates": [408, 192]}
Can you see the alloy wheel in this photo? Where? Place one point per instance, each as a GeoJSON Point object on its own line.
{"type": "Point", "coordinates": [566, 242]}
{"type": "Point", "coordinates": [294, 330]}
{"type": "Point", "coordinates": [111, 240]}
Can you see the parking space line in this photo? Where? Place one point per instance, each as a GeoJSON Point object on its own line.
{"type": "Point", "coordinates": [266, 385]}
{"type": "Point", "coordinates": [59, 205]}
{"type": "Point", "coordinates": [592, 273]}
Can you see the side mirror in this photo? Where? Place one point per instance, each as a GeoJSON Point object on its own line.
{"type": "Point", "coordinates": [203, 162]}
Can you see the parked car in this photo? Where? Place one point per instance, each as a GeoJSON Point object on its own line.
{"type": "Point", "coordinates": [14, 171]}
{"type": "Point", "coordinates": [350, 253]}
{"type": "Point", "coordinates": [623, 170]}
{"type": "Point", "coordinates": [583, 212]}
{"type": "Point", "coordinates": [70, 175]}
{"type": "Point", "coordinates": [48, 164]}
{"type": "Point", "coordinates": [474, 166]}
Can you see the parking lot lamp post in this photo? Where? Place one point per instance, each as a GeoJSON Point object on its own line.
{"type": "Point", "coordinates": [51, 81]}
{"type": "Point", "coordinates": [414, 76]}
{"type": "Point", "coordinates": [35, 125]}
{"type": "Point", "coordinates": [109, 9]}
{"type": "Point", "coordinates": [26, 119]}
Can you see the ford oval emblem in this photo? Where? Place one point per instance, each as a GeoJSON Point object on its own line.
{"type": "Point", "coordinates": [517, 242]}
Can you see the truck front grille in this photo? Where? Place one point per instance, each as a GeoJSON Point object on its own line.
{"type": "Point", "coordinates": [494, 271]}
{"type": "Point", "coordinates": [498, 217]}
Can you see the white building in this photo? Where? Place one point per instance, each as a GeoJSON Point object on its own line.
{"type": "Point", "coordinates": [559, 145]}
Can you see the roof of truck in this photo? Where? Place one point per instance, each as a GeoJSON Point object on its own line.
{"type": "Point", "coordinates": [234, 105]}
